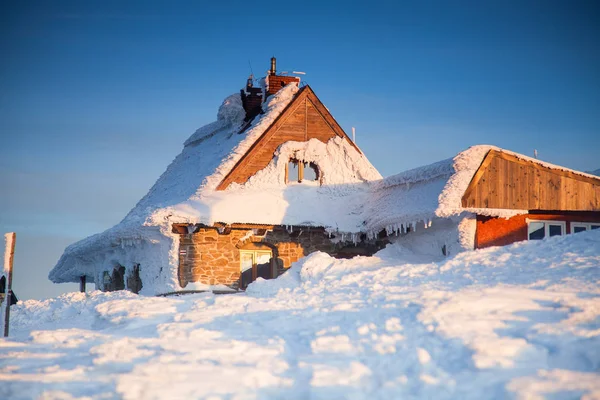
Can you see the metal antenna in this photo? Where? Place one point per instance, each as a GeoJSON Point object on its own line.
{"type": "Point", "coordinates": [250, 64]}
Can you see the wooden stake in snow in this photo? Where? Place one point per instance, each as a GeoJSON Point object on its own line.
{"type": "Point", "coordinates": [9, 255]}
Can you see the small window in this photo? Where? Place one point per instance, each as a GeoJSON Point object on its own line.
{"type": "Point", "coordinates": [300, 171]}
{"type": "Point", "coordinates": [577, 227]}
{"type": "Point", "coordinates": [555, 229]}
{"type": "Point", "coordinates": [293, 171]}
{"type": "Point", "coordinates": [311, 172]}
{"type": "Point", "coordinates": [537, 230]}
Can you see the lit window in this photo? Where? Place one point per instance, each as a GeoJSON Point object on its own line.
{"type": "Point", "coordinates": [299, 171]}
{"type": "Point", "coordinates": [254, 264]}
{"type": "Point", "coordinates": [584, 226]}
{"type": "Point", "coordinates": [537, 230]}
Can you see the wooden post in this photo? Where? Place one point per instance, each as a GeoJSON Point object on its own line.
{"type": "Point", "coordinates": [254, 271]}
{"type": "Point", "coordinates": [82, 283]}
{"type": "Point", "coordinates": [9, 254]}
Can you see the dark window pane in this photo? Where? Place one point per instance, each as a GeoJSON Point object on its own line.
{"type": "Point", "coordinates": [293, 171]}
{"type": "Point", "coordinates": [536, 230]}
{"type": "Point", "coordinates": [555, 230]}
{"type": "Point", "coordinates": [310, 172]}
{"type": "Point", "coordinates": [595, 227]}
{"type": "Point", "coordinates": [578, 229]}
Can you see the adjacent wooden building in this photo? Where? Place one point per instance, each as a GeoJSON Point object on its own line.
{"type": "Point", "coordinates": [557, 201]}
{"type": "Point", "coordinates": [497, 197]}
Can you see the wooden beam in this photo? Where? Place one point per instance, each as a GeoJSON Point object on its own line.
{"type": "Point", "coordinates": [300, 170]}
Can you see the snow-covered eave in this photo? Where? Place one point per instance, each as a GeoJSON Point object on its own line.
{"type": "Point", "coordinates": [78, 258]}
{"type": "Point", "coordinates": [192, 217]}
{"type": "Point", "coordinates": [400, 224]}
{"type": "Point", "coordinates": [488, 212]}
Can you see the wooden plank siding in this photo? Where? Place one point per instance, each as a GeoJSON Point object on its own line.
{"type": "Point", "coordinates": [303, 119]}
{"type": "Point", "coordinates": [505, 181]}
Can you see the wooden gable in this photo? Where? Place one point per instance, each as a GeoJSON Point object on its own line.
{"type": "Point", "coordinates": [508, 182]}
{"type": "Point", "coordinates": [303, 119]}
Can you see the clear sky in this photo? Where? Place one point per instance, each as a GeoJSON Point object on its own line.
{"type": "Point", "coordinates": [97, 97]}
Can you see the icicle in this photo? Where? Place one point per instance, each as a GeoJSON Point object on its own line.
{"type": "Point", "coordinates": [429, 223]}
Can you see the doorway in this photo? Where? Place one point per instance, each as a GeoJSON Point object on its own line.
{"type": "Point", "coordinates": [255, 264]}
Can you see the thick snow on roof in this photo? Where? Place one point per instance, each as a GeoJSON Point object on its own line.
{"type": "Point", "coordinates": [424, 193]}
{"type": "Point", "coordinates": [185, 192]}
{"type": "Point", "coordinates": [436, 190]}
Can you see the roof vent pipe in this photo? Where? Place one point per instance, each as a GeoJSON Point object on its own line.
{"type": "Point", "coordinates": [273, 70]}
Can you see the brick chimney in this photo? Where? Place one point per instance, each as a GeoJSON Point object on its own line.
{"type": "Point", "coordinates": [275, 82]}
{"type": "Point", "coordinates": [252, 99]}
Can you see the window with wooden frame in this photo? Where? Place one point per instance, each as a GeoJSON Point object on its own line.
{"type": "Point", "coordinates": [584, 226]}
{"type": "Point", "coordinates": [539, 229]}
{"type": "Point", "coordinates": [254, 264]}
{"type": "Point", "coordinates": [301, 171]}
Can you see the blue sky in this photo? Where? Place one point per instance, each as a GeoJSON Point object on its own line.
{"type": "Point", "coordinates": [97, 97]}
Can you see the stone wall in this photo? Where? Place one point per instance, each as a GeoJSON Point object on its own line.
{"type": "Point", "coordinates": [211, 255]}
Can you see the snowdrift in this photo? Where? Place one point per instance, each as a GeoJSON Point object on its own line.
{"type": "Point", "coordinates": [521, 320]}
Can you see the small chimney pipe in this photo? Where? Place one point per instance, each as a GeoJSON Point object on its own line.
{"type": "Point", "coordinates": [273, 70]}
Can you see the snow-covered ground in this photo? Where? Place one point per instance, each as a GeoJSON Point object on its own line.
{"type": "Point", "coordinates": [519, 321]}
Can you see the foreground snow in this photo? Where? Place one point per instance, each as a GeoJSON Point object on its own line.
{"type": "Point", "coordinates": [520, 321]}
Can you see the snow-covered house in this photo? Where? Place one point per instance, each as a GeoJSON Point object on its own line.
{"type": "Point", "coordinates": [485, 196]}
{"type": "Point", "coordinates": [274, 178]}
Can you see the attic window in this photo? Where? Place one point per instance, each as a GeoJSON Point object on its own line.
{"type": "Point", "coordinates": [300, 171]}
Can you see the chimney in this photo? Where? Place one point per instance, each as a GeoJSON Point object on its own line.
{"type": "Point", "coordinates": [251, 99]}
{"type": "Point", "coordinates": [276, 82]}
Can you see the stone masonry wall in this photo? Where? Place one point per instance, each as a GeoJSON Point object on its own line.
{"type": "Point", "coordinates": [212, 256]}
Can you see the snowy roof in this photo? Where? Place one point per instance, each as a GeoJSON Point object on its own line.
{"type": "Point", "coordinates": [436, 190]}
{"type": "Point", "coordinates": [186, 191]}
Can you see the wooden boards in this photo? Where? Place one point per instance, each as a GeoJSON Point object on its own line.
{"type": "Point", "coordinates": [303, 119]}
{"type": "Point", "coordinates": [507, 182]}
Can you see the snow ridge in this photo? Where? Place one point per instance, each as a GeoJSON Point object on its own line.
{"type": "Point", "coordinates": [515, 321]}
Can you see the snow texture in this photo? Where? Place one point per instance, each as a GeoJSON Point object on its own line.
{"type": "Point", "coordinates": [520, 321]}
